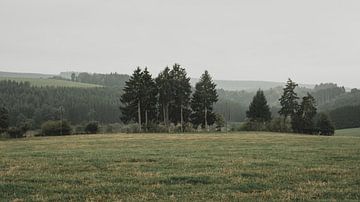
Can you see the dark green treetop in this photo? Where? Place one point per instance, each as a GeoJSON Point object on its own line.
{"type": "Point", "coordinates": [259, 109]}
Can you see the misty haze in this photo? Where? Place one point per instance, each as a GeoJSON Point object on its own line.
{"type": "Point", "coordinates": [179, 100]}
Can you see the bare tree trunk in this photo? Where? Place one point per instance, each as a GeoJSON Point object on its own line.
{"type": "Point", "coordinates": [164, 114]}
{"type": "Point", "coordinates": [206, 123]}
{"type": "Point", "coordinates": [139, 115]}
{"type": "Point", "coordinates": [181, 119]}
{"type": "Point", "coordinates": [146, 119]}
{"type": "Point", "coordinates": [167, 117]}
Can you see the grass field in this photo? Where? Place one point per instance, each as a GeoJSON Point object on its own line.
{"type": "Point", "coordinates": [39, 82]}
{"type": "Point", "coordinates": [181, 167]}
{"type": "Point", "coordinates": [349, 132]}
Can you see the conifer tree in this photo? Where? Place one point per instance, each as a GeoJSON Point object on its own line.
{"type": "Point", "coordinates": [204, 97]}
{"type": "Point", "coordinates": [288, 100]}
{"type": "Point", "coordinates": [182, 91]}
{"type": "Point", "coordinates": [259, 110]}
{"type": "Point", "coordinates": [132, 98]}
{"type": "Point", "coordinates": [149, 98]}
{"type": "Point", "coordinates": [165, 88]}
{"type": "Point", "coordinates": [303, 119]}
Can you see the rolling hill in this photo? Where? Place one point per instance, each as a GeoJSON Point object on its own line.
{"type": "Point", "coordinates": [42, 82]}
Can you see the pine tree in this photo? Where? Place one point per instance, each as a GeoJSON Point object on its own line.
{"type": "Point", "coordinates": [132, 97]}
{"type": "Point", "coordinates": [288, 100]}
{"type": "Point", "coordinates": [308, 107]}
{"type": "Point", "coordinates": [180, 110]}
{"type": "Point", "coordinates": [259, 110]}
{"type": "Point", "coordinates": [4, 119]}
{"type": "Point", "coordinates": [149, 99]}
{"type": "Point", "coordinates": [165, 88]}
{"type": "Point", "coordinates": [204, 97]}
{"type": "Point", "coordinates": [303, 119]}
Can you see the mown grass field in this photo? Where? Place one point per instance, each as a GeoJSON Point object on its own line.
{"type": "Point", "coordinates": [181, 167]}
{"type": "Point", "coordinates": [42, 82]}
{"type": "Point", "coordinates": [349, 132]}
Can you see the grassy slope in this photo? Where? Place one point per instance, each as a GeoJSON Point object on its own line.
{"type": "Point", "coordinates": [349, 132]}
{"type": "Point", "coordinates": [50, 82]}
{"type": "Point", "coordinates": [183, 167]}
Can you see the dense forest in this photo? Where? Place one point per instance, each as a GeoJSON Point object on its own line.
{"type": "Point", "coordinates": [43, 103]}
{"type": "Point", "coordinates": [80, 105]}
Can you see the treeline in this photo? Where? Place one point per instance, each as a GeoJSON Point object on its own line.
{"type": "Point", "coordinates": [346, 117]}
{"type": "Point", "coordinates": [40, 104]}
{"type": "Point", "coordinates": [294, 116]}
{"type": "Point", "coordinates": [108, 80]}
{"type": "Point", "coordinates": [168, 99]}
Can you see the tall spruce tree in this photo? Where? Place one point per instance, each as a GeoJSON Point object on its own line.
{"type": "Point", "coordinates": [303, 120]}
{"type": "Point", "coordinates": [4, 119]}
{"type": "Point", "coordinates": [259, 110]}
{"type": "Point", "coordinates": [204, 97]}
{"type": "Point", "coordinates": [180, 110]}
{"type": "Point", "coordinates": [132, 98]}
{"type": "Point", "coordinates": [164, 84]}
{"type": "Point", "coordinates": [288, 100]}
{"type": "Point", "coordinates": [149, 98]}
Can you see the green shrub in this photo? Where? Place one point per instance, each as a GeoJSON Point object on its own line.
{"type": "Point", "coordinates": [131, 128]}
{"type": "Point", "coordinates": [324, 125]}
{"type": "Point", "coordinates": [16, 132]}
{"type": "Point", "coordinates": [79, 129]}
{"type": "Point", "coordinates": [92, 128]}
{"type": "Point", "coordinates": [51, 128]}
{"type": "Point", "coordinates": [278, 125]}
{"type": "Point", "coordinates": [254, 126]}
{"type": "Point", "coordinates": [109, 129]}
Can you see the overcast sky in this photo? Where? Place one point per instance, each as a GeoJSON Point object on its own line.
{"type": "Point", "coordinates": [311, 41]}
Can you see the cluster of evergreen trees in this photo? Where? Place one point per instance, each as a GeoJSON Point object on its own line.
{"type": "Point", "coordinates": [302, 116]}
{"type": "Point", "coordinates": [168, 98]}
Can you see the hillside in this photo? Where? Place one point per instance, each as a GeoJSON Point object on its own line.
{"type": "Point", "coordinates": [24, 75]}
{"type": "Point", "coordinates": [42, 82]}
{"type": "Point", "coordinates": [231, 85]}
{"type": "Point", "coordinates": [238, 85]}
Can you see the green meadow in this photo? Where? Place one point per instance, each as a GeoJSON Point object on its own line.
{"type": "Point", "coordinates": [181, 167]}
{"type": "Point", "coordinates": [42, 82]}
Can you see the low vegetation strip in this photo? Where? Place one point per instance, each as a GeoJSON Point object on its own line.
{"type": "Point", "coordinates": [199, 167]}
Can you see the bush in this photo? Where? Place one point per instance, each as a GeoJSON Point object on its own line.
{"type": "Point", "coordinates": [109, 129]}
{"type": "Point", "coordinates": [131, 128]}
{"type": "Point", "coordinates": [324, 125]}
{"type": "Point", "coordinates": [92, 128]}
{"type": "Point", "coordinates": [278, 125]}
{"type": "Point", "coordinates": [254, 126]}
{"type": "Point", "coordinates": [51, 128]}
{"type": "Point", "coordinates": [16, 132]}
{"type": "Point", "coordinates": [188, 127]}
{"type": "Point", "coordinates": [79, 129]}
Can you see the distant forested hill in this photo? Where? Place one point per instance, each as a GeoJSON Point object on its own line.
{"type": "Point", "coordinates": [24, 75]}
{"type": "Point", "coordinates": [43, 103]}
{"type": "Point", "coordinates": [46, 82]}
{"type": "Point", "coordinates": [247, 85]}
{"type": "Point", "coordinates": [109, 80]}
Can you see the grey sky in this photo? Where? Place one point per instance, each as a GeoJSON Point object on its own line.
{"type": "Point", "coordinates": [310, 41]}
